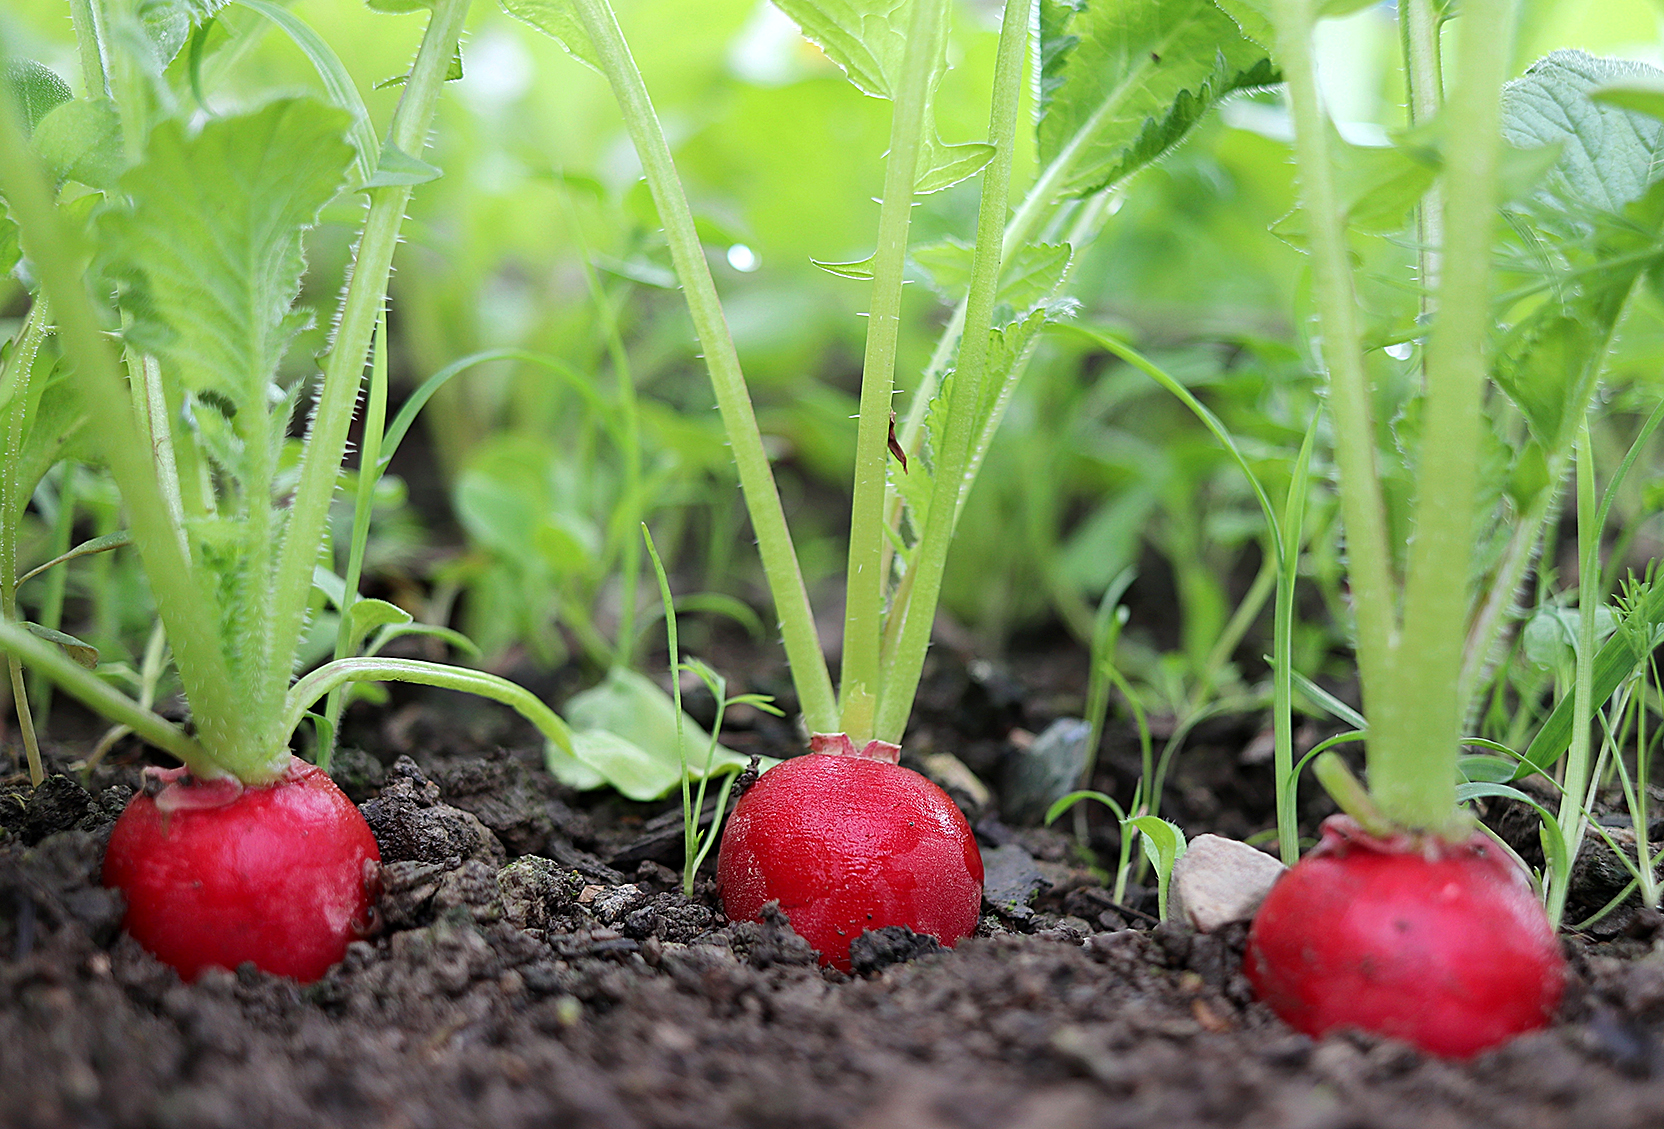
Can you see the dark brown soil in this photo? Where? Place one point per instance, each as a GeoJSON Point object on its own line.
{"type": "Point", "coordinates": [537, 968]}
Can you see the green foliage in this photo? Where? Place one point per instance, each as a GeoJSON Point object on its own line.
{"type": "Point", "coordinates": [35, 89]}
{"type": "Point", "coordinates": [1594, 230]}
{"type": "Point", "coordinates": [868, 39]}
{"type": "Point", "coordinates": [556, 19]}
{"type": "Point", "coordinates": [205, 248]}
{"type": "Point", "coordinates": [625, 735]}
{"type": "Point", "coordinates": [169, 23]}
{"type": "Point", "coordinates": [81, 140]}
{"type": "Point", "coordinates": [1164, 846]}
{"type": "Point", "coordinates": [1123, 83]}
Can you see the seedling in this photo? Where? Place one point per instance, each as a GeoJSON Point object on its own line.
{"type": "Point", "coordinates": [1424, 634]}
{"type": "Point", "coordinates": [1107, 110]}
{"type": "Point", "coordinates": [696, 844]}
{"type": "Point", "coordinates": [198, 236]}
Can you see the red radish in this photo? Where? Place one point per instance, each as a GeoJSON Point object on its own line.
{"type": "Point", "coordinates": [849, 841]}
{"type": "Point", "coordinates": [215, 873]}
{"type": "Point", "coordinates": [1440, 944]}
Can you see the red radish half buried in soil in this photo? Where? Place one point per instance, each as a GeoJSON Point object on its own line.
{"type": "Point", "coordinates": [1440, 944]}
{"type": "Point", "coordinates": [848, 841]}
{"type": "Point", "coordinates": [216, 873]}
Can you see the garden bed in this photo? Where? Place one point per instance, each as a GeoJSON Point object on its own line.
{"type": "Point", "coordinates": [536, 967]}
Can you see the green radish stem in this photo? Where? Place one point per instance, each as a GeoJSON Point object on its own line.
{"type": "Point", "coordinates": [860, 684]}
{"type": "Point", "coordinates": [1410, 668]}
{"type": "Point", "coordinates": [905, 662]}
{"type": "Point", "coordinates": [14, 383]}
{"type": "Point", "coordinates": [369, 474]}
{"type": "Point", "coordinates": [326, 440]}
{"type": "Point", "coordinates": [762, 499]}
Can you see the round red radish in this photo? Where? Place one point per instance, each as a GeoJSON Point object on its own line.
{"type": "Point", "coordinates": [848, 842]}
{"type": "Point", "coordinates": [283, 874]}
{"type": "Point", "coordinates": [1439, 944]}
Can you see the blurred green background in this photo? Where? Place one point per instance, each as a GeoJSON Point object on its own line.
{"type": "Point", "coordinates": [541, 235]}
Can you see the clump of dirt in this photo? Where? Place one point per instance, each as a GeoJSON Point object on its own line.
{"type": "Point", "coordinates": [539, 965]}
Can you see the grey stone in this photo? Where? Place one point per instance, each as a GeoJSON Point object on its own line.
{"type": "Point", "coordinates": [1219, 881]}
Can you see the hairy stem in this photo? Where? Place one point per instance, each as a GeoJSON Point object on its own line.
{"type": "Point", "coordinates": [860, 684]}
{"type": "Point", "coordinates": [1371, 574]}
{"type": "Point", "coordinates": [739, 421]}
{"type": "Point", "coordinates": [326, 439]}
{"type": "Point", "coordinates": [953, 461]}
{"type": "Point", "coordinates": [315, 685]}
{"type": "Point", "coordinates": [1415, 783]}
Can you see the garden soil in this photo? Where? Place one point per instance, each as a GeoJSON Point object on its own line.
{"type": "Point", "coordinates": [536, 965]}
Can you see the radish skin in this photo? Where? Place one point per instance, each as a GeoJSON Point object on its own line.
{"type": "Point", "coordinates": [283, 875]}
{"type": "Point", "coordinates": [847, 842]}
{"type": "Point", "coordinates": [1443, 945]}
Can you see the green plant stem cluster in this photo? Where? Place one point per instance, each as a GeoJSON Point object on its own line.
{"type": "Point", "coordinates": [1411, 630]}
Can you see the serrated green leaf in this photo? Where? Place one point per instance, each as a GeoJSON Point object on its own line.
{"type": "Point", "coordinates": [1007, 346]}
{"type": "Point", "coordinates": [453, 73]}
{"type": "Point", "coordinates": [35, 89]}
{"type": "Point", "coordinates": [1027, 277]}
{"type": "Point", "coordinates": [557, 20]}
{"type": "Point", "coordinates": [397, 167]}
{"type": "Point", "coordinates": [81, 140]}
{"type": "Point", "coordinates": [207, 246]}
{"type": "Point", "coordinates": [1592, 225]}
{"type": "Point", "coordinates": [942, 165]}
{"type": "Point", "coordinates": [867, 39]}
{"type": "Point", "coordinates": [1123, 83]}
{"type": "Point", "coordinates": [1609, 155]}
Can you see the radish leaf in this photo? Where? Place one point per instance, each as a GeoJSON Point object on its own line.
{"type": "Point", "coordinates": [557, 20]}
{"type": "Point", "coordinates": [81, 139]}
{"type": "Point", "coordinates": [205, 248]}
{"type": "Point", "coordinates": [867, 39]}
{"type": "Point", "coordinates": [1595, 223]}
{"type": "Point", "coordinates": [1610, 154]}
{"type": "Point", "coordinates": [36, 90]}
{"type": "Point", "coordinates": [1121, 84]}
{"type": "Point", "coordinates": [624, 734]}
